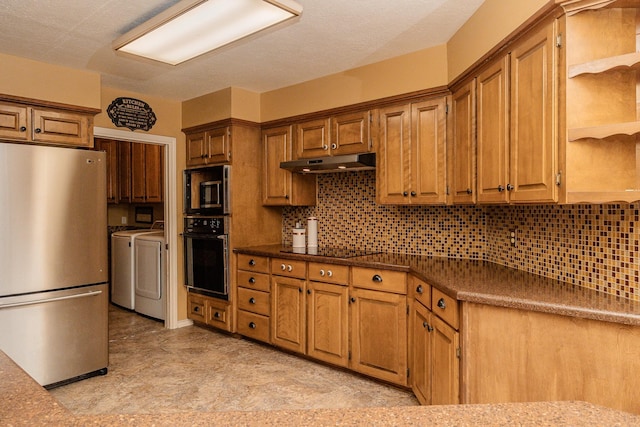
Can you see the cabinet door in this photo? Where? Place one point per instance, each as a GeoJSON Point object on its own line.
{"type": "Point", "coordinates": [281, 187]}
{"type": "Point", "coordinates": [420, 353]}
{"type": "Point", "coordinates": [138, 181]}
{"type": "Point", "coordinates": [379, 335]}
{"type": "Point", "coordinates": [327, 319]}
{"type": "Point", "coordinates": [312, 138]}
{"type": "Point", "coordinates": [428, 136]}
{"type": "Point", "coordinates": [154, 175]}
{"type": "Point", "coordinates": [62, 128]}
{"type": "Point", "coordinates": [110, 147]}
{"type": "Point", "coordinates": [493, 133]}
{"type": "Point", "coordinates": [445, 364]}
{"type": "Point", "coordinates": [124, 171]}
{"type": "Point", "coordinates": [533, 137]}
{"type": "Point", "coordinates": [14, 122]}
{"type": "Point", "coordinates": [196, 149]}
{"type": "Point", "coordinates": [218, 145]}
{"type": "Point", "coordinates": [463, 181]}
{"type": "Point", "coordinates": [288, 317]}
{"type": "Point", "coordinates": [393, 172]}
{"type": "Point", "coordinates": [351, 133]}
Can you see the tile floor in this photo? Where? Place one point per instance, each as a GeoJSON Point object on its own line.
{"type": "Point", "coordinates": [155, 370]}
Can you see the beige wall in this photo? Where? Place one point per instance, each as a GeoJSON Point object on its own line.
{"type": "Point", "coordinates": [223, 104]}
{"type": "Point", "coordinates": [37, 80]}
{"type": "Point", "coordinates": [491, 23]}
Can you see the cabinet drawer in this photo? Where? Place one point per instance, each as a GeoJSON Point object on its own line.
{"type": "Point", "coordinates": [196, 308]}
{"type": "Point", "coordinates": [219, 314]}
{"type": "Point", "coordinates": [379, 280]}
{"type": "Point", "coordinates": [420, 291]}
{"type": "Point", "coordinates": [254, 301]}
{"type": "Point", "coordinates": [288, 267]}
{"type": "Point", "coordinates": [445, 308]}
{"type": "Point", "coordinates": [251, 280]}
{"type": "Point", "coordinates": [329, 273]}
{"type": "Point", "coordinates": [253, 325]}
{"type": "Point", "coordinates": [253, 263]}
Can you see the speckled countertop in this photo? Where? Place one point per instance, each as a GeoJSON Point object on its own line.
{"type": "Point", "coordinates": [488, 283]}
{"type": "Point", "coordinates": [24, 402]}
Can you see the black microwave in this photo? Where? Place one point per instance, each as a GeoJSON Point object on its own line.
{"type": "Point", "coordinates": [206, 191]}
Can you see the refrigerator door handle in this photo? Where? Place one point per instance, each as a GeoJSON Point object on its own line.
{"type": "Point", "coordinates": [41, 301]}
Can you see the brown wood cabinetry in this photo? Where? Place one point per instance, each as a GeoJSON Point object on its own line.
{"type": "Point", "coordinates": [147, 173]}
{"type": "Point", "coordinates": [208, 146]}
{"type": "Point", "coordinates": [254, 297]}
{"type": "Point", "coordinates": [281, 187]}
{"type": "Point", "coordinates": [463, 145]}
{"type": "Point", "coordinates": [110, 147]}
{"type": "Point", "coordinates": [288, 313]}
{"type": "Point", "coordinates": [210, 311]}
{"type": "Point", "coordinates": [411, 153]}
{"type": "Point", "coordinates": [347, 133]}
{"type": "Point", "coordinates": [32, 121]}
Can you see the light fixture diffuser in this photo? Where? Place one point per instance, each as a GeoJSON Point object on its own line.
{"type": "Point", "coordinates": [194, 27]}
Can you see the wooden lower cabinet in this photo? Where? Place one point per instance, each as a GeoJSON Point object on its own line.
{"type": "Point", "coordinates": [210, 311]}
{"type": "Point", "coordinates": [379, 335]}
{"type": "Point", "coordinates": [328, 323]}
{"type": "Point", "coordinates": [288, 313]}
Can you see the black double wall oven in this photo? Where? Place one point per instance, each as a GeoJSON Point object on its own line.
{"type": "Point", "coordinates": [206, 224]}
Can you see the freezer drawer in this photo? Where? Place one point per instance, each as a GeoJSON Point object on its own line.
{"type": "Point", "coordinates": [58, 335]}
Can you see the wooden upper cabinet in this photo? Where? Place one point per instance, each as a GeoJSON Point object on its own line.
{"type": "Point", "coordinates": [492, 133]}
{"type": "Point", "coordinates": [463, 144]}
{"type": "Point", "coordinates": [110, 147]}
{"type": "Point", "coordinates": [207, 147]}
{"type": "Point", "coordinates": [124, 171]}
{"type": "Point", "coordinates": [147, 163]}
{"type": "Point", "coordinates": [43, 125]}
{"type": "Point", "coordinates": [412, 153]}
{"type": "Point", "coordinates": [533, 134]}
{"type": "Point", "coordinates": [281, 187]}
{"type": "Point", "coordinates": [347, 133]}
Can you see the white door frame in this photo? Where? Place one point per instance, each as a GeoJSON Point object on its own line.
{"type": "Point", "coordinates": [170, 215]}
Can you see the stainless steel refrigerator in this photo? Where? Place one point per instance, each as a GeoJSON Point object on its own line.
{"type": "Point", "coordinates": [53, 261]}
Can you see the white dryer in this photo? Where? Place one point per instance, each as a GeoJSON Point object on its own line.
{"type": "Point", "coordinates": [150, 275]}
{"type": "Point", "coordinates": [122, 266]}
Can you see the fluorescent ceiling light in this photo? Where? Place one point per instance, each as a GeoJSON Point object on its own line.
{"type": "Point", "coordinates": [194, 27]}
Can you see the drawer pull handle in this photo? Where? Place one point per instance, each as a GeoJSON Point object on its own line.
{"type": "Point", "coordinates": [216, 314]}
{"type": "Point", "coordinates": [308, 291]}
{"type": "Point", "coordinates": [442, 304]}
{"type": "Point", "coordinates": [283, 267]}
{"type": "Point", "coordinates": [321, 273]}
{"type": "Point", "coordinates": [353, 299]}
{"type": "Point", "coordinates": [252, 280]}
{"type": "Point", "coordinates": [196, 309]}
{"type": "Point", "coordinates": [252, 300]}
{"type": "Point", "coordinates": [376, 278]}
{"type": "Point", "coordinates": [330, 273]}
{"type": "Point", "coordinates": [252, 262]}
{"type": "Point", "coordinates": [38, 130]}
{"type": "Point", "coordinates": [252, 325]}
{"type": "Point", "coordinates": [419, 289]}
{"type": "Point", "coordinates": [23, 128]}
{"type": "Point", "coordinates": [427, 326]}
{"type": "Point", "coordinates": [289, 268]}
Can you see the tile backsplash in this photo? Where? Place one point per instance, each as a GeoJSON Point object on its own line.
{"type": "Point", "coordinates": [596, 246]}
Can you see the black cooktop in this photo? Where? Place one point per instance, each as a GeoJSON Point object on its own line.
{"type": "Point", "coordinates": [331, 252]}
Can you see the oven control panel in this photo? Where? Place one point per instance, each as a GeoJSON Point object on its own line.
{"type": "Point", "coordinates": [205, 225]}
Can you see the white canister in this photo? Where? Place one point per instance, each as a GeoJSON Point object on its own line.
{"type": "Point", "coordinates": [312, 229]}
{"type": "Point", "coordinates": [298, 237]}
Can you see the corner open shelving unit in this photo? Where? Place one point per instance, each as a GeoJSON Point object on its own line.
{"type": "Point", "coordinates": [602, 96]}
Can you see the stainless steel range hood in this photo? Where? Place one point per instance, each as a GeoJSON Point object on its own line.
{"type": "Point", "coordinates": [344, 163]}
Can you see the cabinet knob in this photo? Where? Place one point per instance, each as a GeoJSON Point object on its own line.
{"type": "Point", "coordinates": [329, 273]}
{"type": "Point", "coordinates": [300, 290]}
{"type": "Point", "coordinates": [252, 262]}
{"type": "Point", "coordinates": [405, 194]}
{"type": "Point", "coordinates": [419, 289]}
{"type": "Point", "coordinates": [469, 191]}
{"type": "Point", "coordinates": [252, 280]}
{"type": "Point", "coordinates": [283, 267]}
{"type": "Point", "coordinates": [37, 130]}
{"type": "Point", "coordinates": [252, 325]}
{"type": "Point", "coordinates": [308, 291]}
{"type": "Point", "coordinates": [442, 304]}
{"type": "Point", "coordinates": [427, 326]}
{"type": "Point", "coordinates": [376, 278]}
{"type": "Point", "coordinates": [252, 300]}
{"type": "Point", "coordinates": [23, 128]}
{"type": "Point", "coordinates": [500, 188]}
{"type": "Point", "coordinates": [216, 314]}
{"type": "Point", "coordinates": [289, 268]}
{"type": "Point", "coordinates": [196, 309]}
{"type": "Point", "coordinates": [321, 273]}
{"type": "Point", "coordinates": [509, 187]}
{"type": "Point", "coordinates": [413, 194]}
{"type": "Point", "coordinates": [325, 147]}
{"type": "Point", "coordinates": [334, 146]}
{"type": "Point", "coordinates": [353, 299]}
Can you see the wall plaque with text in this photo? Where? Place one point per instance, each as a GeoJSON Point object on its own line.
{"type": "Point", "coordinates": [131, 113]}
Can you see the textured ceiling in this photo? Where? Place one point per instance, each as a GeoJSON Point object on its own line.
{"type": "Point", "coordinates": [331, 36]}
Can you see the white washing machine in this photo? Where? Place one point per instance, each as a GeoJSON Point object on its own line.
{"type": "Point", "coordinates": [150, 275]}
{"type": "Point", "coordinates": [122, 266]}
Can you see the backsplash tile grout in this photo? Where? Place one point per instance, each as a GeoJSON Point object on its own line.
{"type": "Point", "coordinates": [595, 246]}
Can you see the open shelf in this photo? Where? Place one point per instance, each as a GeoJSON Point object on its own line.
{"type": "Point", "coordinates": [604, 131]}
{"type": "Point", "coordinates": [627, 61]}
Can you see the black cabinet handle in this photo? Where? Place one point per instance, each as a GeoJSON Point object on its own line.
{"type": "Point", "coordinates": [308, 291]}
{"type": "Point", "coordinates": [500, 188]}
{"type": "Point", "coordinates": [442, 304]}
{"type": "Point", "coordinates": [509, 187]}
{"type": "Point", "coordinates": [405, 194]}
{"type": "Point", "coordinates": [23, 128]}
{"type": "Point", "coordinates": [353, 299]}
{"type": "Point", "coordinates": [469, 191]}
{"type": "Point", "coordinates": [300, 290]}
{"type": "Point", "coordinates": [252, 325]}
{"type": "Point", "coordinates": [37, 130]}
{"type": "Point", "coordinates": [196, 309]}
{"type": "Point", "coordinates": [252, 262]}
{"type": "Point", "coordinates": [427, 326]}
{"type": "Point", "coordinates": [252, 280]}
{"type": "Point", "coordinates": [419, 289]}
{"type": "Point", "coordinates": [252, 300]}
{"type": "Point", "coordinates": [376, 278]}
{"type": "Point", "coordinates": [216, 314]}
{"type": "Point", "coordinates": [413, 194]}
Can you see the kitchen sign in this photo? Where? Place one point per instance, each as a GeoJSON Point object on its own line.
{"type": "Point", "coordinates": [131, 113]}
